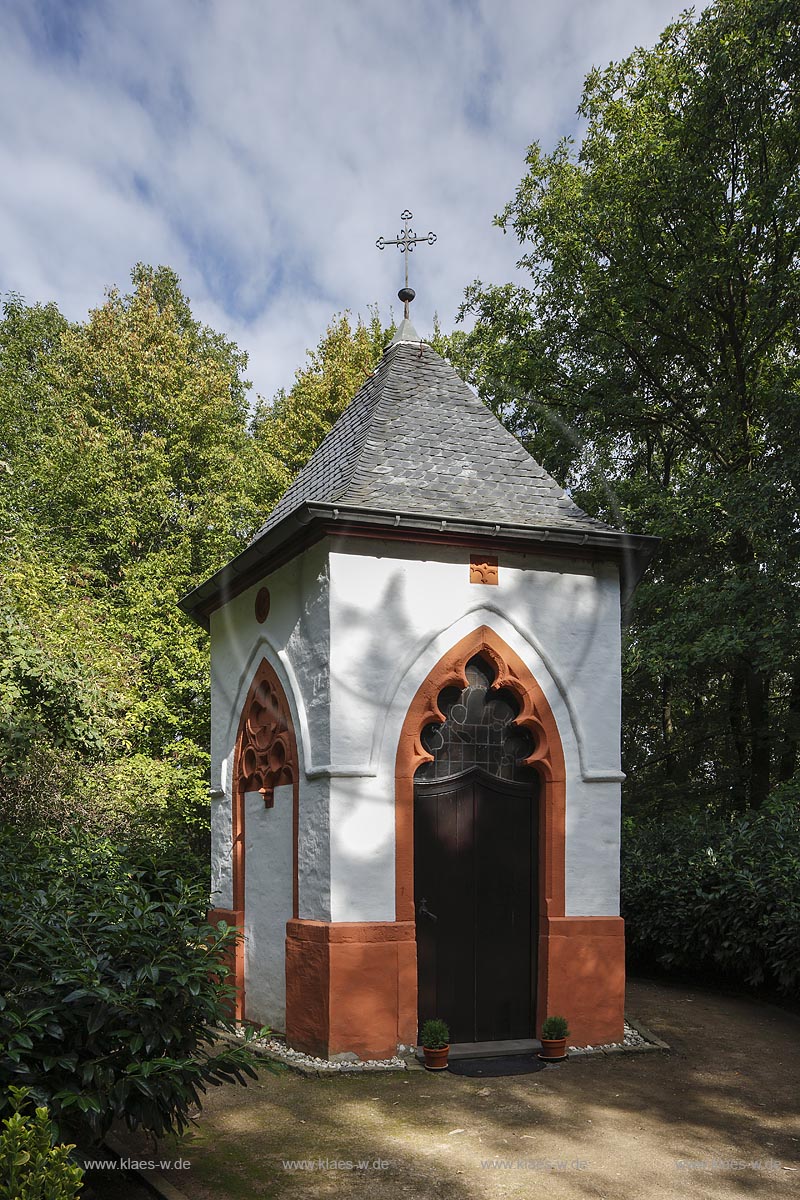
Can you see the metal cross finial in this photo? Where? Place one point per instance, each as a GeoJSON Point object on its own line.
{"type": "Point", "coordinates": [406, 242]}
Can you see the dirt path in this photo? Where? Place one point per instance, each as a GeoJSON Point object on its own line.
{"type": "Point", "coordinates": [717, 1118]}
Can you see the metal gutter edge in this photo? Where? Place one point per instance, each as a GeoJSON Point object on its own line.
{"type": "Point", "coordinates": [635, 550]}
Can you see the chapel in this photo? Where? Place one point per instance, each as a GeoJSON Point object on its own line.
{"type": "Point", "coordinates": [415, 748]}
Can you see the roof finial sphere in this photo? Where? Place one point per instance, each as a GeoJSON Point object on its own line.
{"type": "Point", "coordinates": [406, 294]}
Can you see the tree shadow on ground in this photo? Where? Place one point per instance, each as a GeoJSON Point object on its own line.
{"type": "Point", "coordinates": [717, 1117]}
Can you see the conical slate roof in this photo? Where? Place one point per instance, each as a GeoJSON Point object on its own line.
{"type": "Point", "coordinates": [417, 440]}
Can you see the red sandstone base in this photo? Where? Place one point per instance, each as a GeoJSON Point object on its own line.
{"type": "Point", "coordinates": [582, 977]}
{"type": "Point", "coordinates": [353, 986]}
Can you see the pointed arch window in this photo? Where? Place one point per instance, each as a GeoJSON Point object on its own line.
{"type": "Point", "coordinates": [479, 730]}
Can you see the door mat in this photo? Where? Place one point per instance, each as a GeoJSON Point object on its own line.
{"type": "Point", "coordinates": [494, 1068]}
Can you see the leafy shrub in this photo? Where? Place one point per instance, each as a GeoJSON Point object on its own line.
{"type": "Point", "coordinates": [702, 892]}
{"type": "Point", "coordinates": [555, 1028]}
{"type": "Point", "coordinates": [31, 1168]}
{"type": "Point", "coordinates": [111, 985]}
{"type": "Point", "coordinates": [435, 1034]}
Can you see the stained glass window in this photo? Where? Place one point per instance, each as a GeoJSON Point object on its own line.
{"type": "Point", "coordinates": [478, 731]}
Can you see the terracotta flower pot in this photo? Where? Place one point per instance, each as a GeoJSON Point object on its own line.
{"type": "Point", "coordinates": [436, 1060]}
{"type": "Point", "coordinates": [553, 1048]}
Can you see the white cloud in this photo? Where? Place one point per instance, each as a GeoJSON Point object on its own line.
{"type": "Point", "coordinates": [261, 148]}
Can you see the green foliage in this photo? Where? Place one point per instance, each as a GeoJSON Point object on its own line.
{"type": "Point", "coordinates": [435, 1034]}
{"type": "Point", "coordinates": [111, 986]}
{"type": "Point", "coordinates": [31, 1168]}
{"type": "Point", "coordinates": [43, 698]}
{"type": "Point", "coordinates": [652, 365]}
{"type": "Point", "coordinates": [706, 893]}
{"type": "Point", "coordinates": [555, 1028]}
{"type": "Point", "coordinates": [159, 462]}
{"type": "Point", "coordinates": [127, 474]}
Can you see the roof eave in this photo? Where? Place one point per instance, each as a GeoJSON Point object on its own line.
{"type": "Point", "coordinates": [310, 521]}
{"type": "Point", "coordinates": [245, 568]}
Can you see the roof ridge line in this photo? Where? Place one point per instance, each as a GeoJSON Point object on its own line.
{"type": "Point", "coordinates": [383, 367]}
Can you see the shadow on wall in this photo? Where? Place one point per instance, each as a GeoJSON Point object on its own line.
{"type": "Point", "coordinates": [579, 613]}
{"type": "Point", "coordinates": [381, 650]}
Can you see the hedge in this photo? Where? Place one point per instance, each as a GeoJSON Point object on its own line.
{"type": "Point", "coordinates": [702, 893]}
{"type": "Point", "coordinates": [31, 1167]}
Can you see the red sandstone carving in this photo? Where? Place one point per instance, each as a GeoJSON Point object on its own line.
{"type": "Point", "coordinates": [483, 568]}
{"type": "Point", "coordinates": [266, 756]}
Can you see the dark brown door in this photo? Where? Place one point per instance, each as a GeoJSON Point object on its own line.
{"type": "Point", "coordinates": [475, 858]}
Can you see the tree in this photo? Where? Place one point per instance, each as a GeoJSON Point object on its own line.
{"type": "Point", "coordinates": [131, 467]}
{"type": "Point", "coordinates": [127, 476]}
{"type": "Point", "coordinates": [653, 363]}
{"type": "Point", "coordinates": [58, 676]}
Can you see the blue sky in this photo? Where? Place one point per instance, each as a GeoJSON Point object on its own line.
{"type": "Point", "coordinates": [260, 147]}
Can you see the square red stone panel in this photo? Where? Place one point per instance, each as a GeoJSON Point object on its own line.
{"type": "Point", "coordinates": [483, 568]}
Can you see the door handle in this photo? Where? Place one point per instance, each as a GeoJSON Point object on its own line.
{"type": "Point", "coordinates": [424, 911]}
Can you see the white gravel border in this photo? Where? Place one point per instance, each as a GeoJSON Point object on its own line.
{"type": "Point", "coordinates": [636, 1038]}
{"type": "Point", "coordinates": [632, 1037]}
{"type": "Point", "coordinates": [342, 1064]}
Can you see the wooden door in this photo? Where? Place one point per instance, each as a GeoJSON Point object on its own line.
{"type": "Point", "coordinates": [475, 859]}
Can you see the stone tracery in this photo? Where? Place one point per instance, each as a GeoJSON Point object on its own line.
{"type": "Point", "coordinates": [479, 730]}
{"type": "Point", "coordinates": [266, 757]}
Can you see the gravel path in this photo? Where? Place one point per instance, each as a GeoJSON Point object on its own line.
{"type": "Point", "coordinates": [717, 1118]}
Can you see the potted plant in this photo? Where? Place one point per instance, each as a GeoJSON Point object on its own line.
{"type": "Point", "coordinates": [435, 1044]}
{"type": "Point", "coordinates": [555, 1031]}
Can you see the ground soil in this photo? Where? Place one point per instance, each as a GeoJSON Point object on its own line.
{"type": "Point", "coordinates": [718, 1117]}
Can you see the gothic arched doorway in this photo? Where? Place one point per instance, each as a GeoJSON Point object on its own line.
{"type": "Point", "coordinates": [475, 863]}
{"type": "Point", "coordinates": [265, 758]}
{"type": "Point", "coordinates": [546, 790]}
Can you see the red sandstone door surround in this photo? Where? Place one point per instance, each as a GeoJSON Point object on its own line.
{"type": "Point", "coordinates": [581, 960]}
{"type": "Point", "coordinates": [265, 758]}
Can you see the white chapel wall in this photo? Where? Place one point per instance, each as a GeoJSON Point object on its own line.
{"type": "Point", "coordinates": [295, 640]}
{"type": "Point", "coordinates": [351, 636]}
{"type": "Point", "coordinates": [268, 904]}
{"type": "Point", "coordinates": [394, 613]}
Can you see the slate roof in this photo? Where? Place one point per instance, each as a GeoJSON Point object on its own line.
{"type": "Point", "coordinates": [416, 439]}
